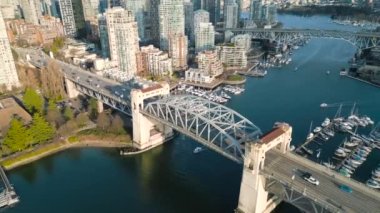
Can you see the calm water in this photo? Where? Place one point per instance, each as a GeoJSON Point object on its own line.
{"type": "Point", "coordinates": [172, 179]}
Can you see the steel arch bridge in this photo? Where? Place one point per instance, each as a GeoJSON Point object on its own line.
{"type": "Point", "coordinates": [213, 125]}
{"type": "Point", "coordinates": [362, 40]}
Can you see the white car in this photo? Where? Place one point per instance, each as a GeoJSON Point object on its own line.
{"type": "Point", "coordinates": [310, 179]}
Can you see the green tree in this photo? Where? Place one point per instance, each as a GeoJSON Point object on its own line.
{"type": "Point", "coordinates": [18, 137]}
{"type": "Point", "coordinates": [68, 113]}
{"type": "Point", "coordinates": [117, 125]}
{"type": "Point", "coordinates": [93, 108]}
{"type": "Point", "coordinates": [40, 129]}
{"type": "Point", "coordinates": [33, 101]}
{"type": "Point", "coordinates": [82, 119]}
{"type": "Point", "coordinates": [103, 121]}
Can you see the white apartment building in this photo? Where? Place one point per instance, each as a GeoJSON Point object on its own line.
{"type": "Point", "coordinates": [178, 50]}
{"type": "Point", "coordinates": [209, 63]}
{"type": "Point", "coordinates": [8, 73]}
{"type": "Point", "coordinates": [156, 62]}
{"type": "Point", "coordinates": [67, 15]}
{"type": "Point", "coordinates": [197, 76]}
{"type": "Point", "coordinates": [31, 10]}
{"type": "Point", "coordinates": [242, 40]}
{"type": "Point", "coordinates": [232, 56]}
{"type": "Point", "coordinates": [123, 39]}
{"type": "Point", "coordinates": [172, 21]}
{"type": "Point", "coordinates": [138, 8]}
{"type": "Point", "coordinates": [231, 10]}
{"type": "Point", "coordinates": [204, 37]}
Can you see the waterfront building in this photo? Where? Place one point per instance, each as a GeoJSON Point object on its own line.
{"type": "Point", "coordinates": [155, 62]}
{"type": "Point", "coordinates": [67, 16]}
{"type": "Point", "coordinates": [123, 39]}
{"type": "Point", "coordinates": [178, 50]}
{"type": "Point", "coordinates": [138, 9]}
{"type": "Point", "coordinates": [172, 21]}
{"type": "Point", "coordinates": [204, 37]}
{"type": "Point", "coordinates": [103, 36]}
{"type": "Point", "coordinates": [189, 20]}
{"type": "Point", "coordinates": [242, 40]}
{"type": "Point", "coordinates": [232, 57]}
{"type": "Point", "coordinates": [197, 76]}
{"type": "Point", "coordinates": [209, 63]}
{"type": "Point", "coordinates": [8, 73]}
{"type": "Point", "coordinates": [230, 14]}
{"type": "Point", "coordinates": [31, 10]}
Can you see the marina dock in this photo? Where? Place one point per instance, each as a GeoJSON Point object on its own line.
{"type": "Point", "coordinates": [8, 196]}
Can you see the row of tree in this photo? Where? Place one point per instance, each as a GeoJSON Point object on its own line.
{"type": "Point", "coordinates": [20, 136]}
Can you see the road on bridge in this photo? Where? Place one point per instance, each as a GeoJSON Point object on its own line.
{"type": "Point", "coordinates": [284, 166]}
{"type": "Point", "coordinates": [96, 82]}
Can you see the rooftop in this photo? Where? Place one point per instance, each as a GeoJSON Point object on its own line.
{"type": "Point", "coordinates": [10, 108]}
{"type": "Point", "coordinates": [273, 134]}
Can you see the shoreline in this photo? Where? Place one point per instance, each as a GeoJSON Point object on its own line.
{"type": "Point", "coordinates": [62, 147]}
{"type": "Point", "coordinates": [362, 80]}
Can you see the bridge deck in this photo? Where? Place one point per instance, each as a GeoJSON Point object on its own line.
{"type": "Point", "coordinates": [362, 199]}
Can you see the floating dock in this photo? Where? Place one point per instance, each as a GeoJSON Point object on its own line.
{"type": "Point", "coordinates": [8, 196]}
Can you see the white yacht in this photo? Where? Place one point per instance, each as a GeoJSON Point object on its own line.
{"type": "Point", "coordinates": [340, 153]}
{"type": "Point", "coordinates": [310, 136]}
{"type": "Point", "coordinates": [317, 129]}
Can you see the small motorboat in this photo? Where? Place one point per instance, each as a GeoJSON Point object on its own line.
{"type": "Point", "coordinates": [317, 129]}
{"type": "Point", "coordinates": [323, 105]}
{"type": "Point", "coordinates": [197, 150]}
{"type": "Point", "coordinates": [340, 153]}
{"type": "Point", "coordinates": [310, 136]}
{"type": "Point", "coordinates": [351, 143]}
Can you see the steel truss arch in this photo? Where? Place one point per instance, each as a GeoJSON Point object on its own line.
{"type": "Point", "coordinates": [216, 126]}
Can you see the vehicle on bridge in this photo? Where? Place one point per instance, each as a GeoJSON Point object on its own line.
{"type": "Point", "coordinates": [309, 178]}
{"type": "Point", "coordinates": [345, 188]}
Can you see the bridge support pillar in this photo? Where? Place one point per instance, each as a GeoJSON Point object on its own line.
{"type": "Point", "coordinates": [253, 197]}
{"type": "Point", "coordinates": [100, 106]}
{"type": "Point", "coordinates": [72, 92]}
{"type": "Point", "coordinates": [148, 133]}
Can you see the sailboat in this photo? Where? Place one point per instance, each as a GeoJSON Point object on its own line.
{"type": "Point", "coordinates": [310, 134]}
{"type": "Point", "coordinates": [319, 152]}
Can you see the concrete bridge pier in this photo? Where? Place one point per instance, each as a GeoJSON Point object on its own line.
{"type": "Point", "coordinates": [253, 197]}
{"type": "Point", "coordinates": [100, 106]}
{"type": "Point", "coordinates": [71, 91]}
{"type": "Point", "coordinates": [148, 133]}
